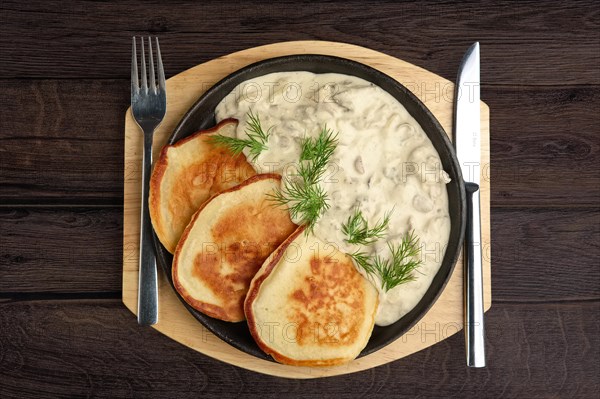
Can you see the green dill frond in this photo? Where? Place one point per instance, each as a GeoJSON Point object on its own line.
{"type": "Point", "coordinates": [363, 260]}
{"type": "Point", "coordinates": [304, 202]}
{"type": "Point", "coordinates": [254, 129]}
{"type": "Point", "coordinates": [256, 141]}
{"type": "Point", "coordinates": [357, 230]}
{"type": "Point", "coordinates": [236, 146]}
{"type": "Point", "coordinates": [304, 197]}
{"type": "Point", "coordinates": [398, 268]}
{"type": "Point", "coordinates": [315, 155]}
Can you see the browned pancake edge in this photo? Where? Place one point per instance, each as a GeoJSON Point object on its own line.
{"type": "Point", "coordinates": [206, 308]}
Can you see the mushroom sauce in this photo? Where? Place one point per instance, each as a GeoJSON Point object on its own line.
{"type": "Point", "coordinates": [383, 161]}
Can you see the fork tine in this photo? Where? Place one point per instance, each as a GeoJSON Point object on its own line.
{"type": "Point", "coordinates": [144, 78]}
{"type": "Point", "coordinates": [161, 71]}
{"type": "Point", "coordinates": [152, 76]}
{"type": "Point", "coordinates": [135, 84]}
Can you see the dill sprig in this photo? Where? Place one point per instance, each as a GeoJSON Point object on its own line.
{"type": "Point", "coordinates": [357, 228]}
{"type": "Point", "coordinates": [398, 268]}
{"type": "Point", "coordinates": [315, 155]}
{"type": "Point", "coordinates": [256, 141]}
{"type": "Point", "coordinates": [301, 193]}
{"type": "Point", "coordinates": [364, 261]}
{"type": "Point", "coordinates": [305, 202]}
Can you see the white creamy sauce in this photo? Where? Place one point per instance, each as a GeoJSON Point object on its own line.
{"type": "Point", "coordinates": [383, 160]}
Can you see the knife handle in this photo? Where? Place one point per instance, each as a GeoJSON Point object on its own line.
{"type": "Point", "coordinates": [473, 282]}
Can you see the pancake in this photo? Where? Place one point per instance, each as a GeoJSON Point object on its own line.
{"type": "Point", "coordinates": [186, 174]}
{"type": "Point", "coordinates": [309, 306]}
{"type": "Point", "coordinates": [225, 244]}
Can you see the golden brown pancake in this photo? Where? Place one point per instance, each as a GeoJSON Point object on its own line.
{"type": "Point", "coordinates": [186, 174]}
{"type": "Point", "coordinates": [225, 244]}
{"type": "Point", "coordinates": [309, 306]}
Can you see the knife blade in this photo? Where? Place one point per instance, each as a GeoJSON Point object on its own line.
{"type": "Point", "coordinates": [467, 141]}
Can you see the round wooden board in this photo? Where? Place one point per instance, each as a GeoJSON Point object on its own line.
{"type": "Point", "coordinates": [444, 319]}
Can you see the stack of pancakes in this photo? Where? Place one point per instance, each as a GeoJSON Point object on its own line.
{"type": "Point", "coordinates": [238, 256]}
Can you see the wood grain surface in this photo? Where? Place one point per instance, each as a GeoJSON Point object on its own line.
{"type": "Point", "coordinates": [64, 85]}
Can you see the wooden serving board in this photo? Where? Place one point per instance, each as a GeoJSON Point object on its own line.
{"type": "Point", "coordinates": [445, 317]}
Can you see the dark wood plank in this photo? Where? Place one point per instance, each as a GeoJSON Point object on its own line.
{"type": "Point", "coordinates": [62, 141]}
{"type": "Point", "coordinates": [55, 150]}
{"type": "Point", "coordinates": [545, 255]}
{"type": "Point", "coordinates": [60, 250]}
{"type": "Point", "coordinates": [539, 43]}
{"type": "Point", "coordinates": [545, 146]}
{"type": "Point", "coordinates": [95, 348]}
{"type": "Point", "coordinates": [538, 255]}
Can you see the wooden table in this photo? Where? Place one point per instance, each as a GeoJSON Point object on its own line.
{"type": "Point", "coordinates": [64, 88]}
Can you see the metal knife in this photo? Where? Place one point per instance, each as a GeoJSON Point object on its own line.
{"type": "Point", "coordinates": [467, 141]}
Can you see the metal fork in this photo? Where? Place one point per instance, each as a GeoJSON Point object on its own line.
{"type": "Point", "coordinates": [148, 107]}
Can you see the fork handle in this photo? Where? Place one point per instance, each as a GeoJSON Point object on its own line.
{"type": "Point", "coordinates": [148, 284]}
